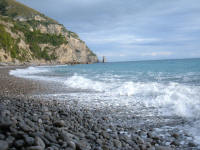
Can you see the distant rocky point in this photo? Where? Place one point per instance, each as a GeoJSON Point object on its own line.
{"type": "Point", "coordinates": [29, 37]}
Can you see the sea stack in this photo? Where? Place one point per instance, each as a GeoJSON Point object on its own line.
{"type": "Point", "coordinates": [104, 59]}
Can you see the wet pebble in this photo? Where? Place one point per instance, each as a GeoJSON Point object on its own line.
{"type": "Point", "coordinates": [3, 145]}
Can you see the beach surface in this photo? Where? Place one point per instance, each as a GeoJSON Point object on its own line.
{"type": "Point", "coordinates": [29, 123]}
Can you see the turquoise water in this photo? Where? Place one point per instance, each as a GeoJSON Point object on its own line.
{"type": "Point", "coordinates": [169, 89]}
{"type": "Point", "coordinates": [182, 71]}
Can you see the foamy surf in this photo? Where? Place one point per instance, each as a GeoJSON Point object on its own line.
{"type": "Point", "coordinates": [81, 82]}
{"type": "Point", "coordinates": [28, 72]}
{"type": "Point", "coordinates": [181, 100]}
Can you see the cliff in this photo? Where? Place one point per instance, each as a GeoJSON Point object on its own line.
{"type": "Point", "coordinates": [27, 36]}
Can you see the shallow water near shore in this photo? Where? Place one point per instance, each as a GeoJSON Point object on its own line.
{"type": "Point", "coordinates": [162, 95]}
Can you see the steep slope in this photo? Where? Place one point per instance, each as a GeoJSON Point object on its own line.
{"type": "Point", "coordinates": [28, 36]}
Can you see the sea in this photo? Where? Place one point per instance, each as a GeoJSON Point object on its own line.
{"type": "Point", "coordinates": [163, 94]}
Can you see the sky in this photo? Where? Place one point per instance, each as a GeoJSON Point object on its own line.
{"type": "Point", "coordinates": [128, 30]}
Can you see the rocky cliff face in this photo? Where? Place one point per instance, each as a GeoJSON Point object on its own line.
{"type": "Point", "coordinates": [30, 37]}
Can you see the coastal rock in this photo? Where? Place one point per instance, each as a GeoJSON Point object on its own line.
{"type": "Point", "coordinates": [10, 140]}
{"type": "Point", "coordinates": [105, 135]}
{"type": "Point", "coordinates": [3, 145]}
{"type": "Point", "coordinates": [83, 145]}
{"type": "Point", "coordinates": [137, 139]}
{"type": "Point", "coordinates": [162, 148]}
{"type": "Point", "coordinates": [59, 123]}
{"type": "Point", "coordinates": [19, 143]}
{"type": "Point", "coordinates": [39, 142]}
{"type": "Point", "coordinates": [117, 143]}
{"type": "Point", "coordinates": [29, 140]}
{"type": "Point", "coordinates": [2, 137]}
{"type": "Point", "coordinates": [35, 148]}
{"type": "Point", "coordinates": [175, 135]}
{"type": "Point", "coordinates": [175, 143]}
{"type": "Point", "coordinates": [191, 144]}
{"type": "Point", "coordinates": [71, 144]}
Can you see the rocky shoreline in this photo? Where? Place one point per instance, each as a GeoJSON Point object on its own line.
{"type": "Point", "coordinates": [35, 124]}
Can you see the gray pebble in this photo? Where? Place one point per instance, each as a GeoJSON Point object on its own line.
{"type": "Point", "coordinates": [19, 143]}
{"type": "Point", "coordinates": [2, 137]}
{"type": "Point", "coordinates": [39, 142]}
{"type": "Point", "coordinates": [117, 143]}
{"type": "Point", "coordinates": [35, 148]}
{"type": "Point", "coordinates": [3, 145]}
{"type": "Point", "coordinates": [29, 140]}
{"type": "Point", "coordinates": [71, 144]}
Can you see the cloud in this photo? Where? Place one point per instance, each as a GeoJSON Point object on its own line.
{"type": "Point", "coordinates": [116, 38]}
{"type": "Point", "coordinates": [157, 54]}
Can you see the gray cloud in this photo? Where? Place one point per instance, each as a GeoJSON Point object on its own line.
{"type": "Point", "coordinates": [130, 29]}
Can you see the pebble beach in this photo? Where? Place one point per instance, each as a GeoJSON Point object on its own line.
{"type": "Point", "coordinates": [28, 123]}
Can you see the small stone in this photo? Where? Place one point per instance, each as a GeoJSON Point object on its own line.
{"type": "Point", "coordinates": [46, 117]}
{"type": "Point", "coordinates": [45, 109]}
{"type": "Point", "coordinates": [39, 142]}
{"type": "Point", "coordinates": [69, 148]}
{"type": "Point", "coordinates": [66, 136]}
{"type": "Point", "coordinates": [98, 141]}
{"type": "Point", "coordinates": [10, 140]}
{"type": "Point", "coordinates": [149, 135]}
{"type": "Point", "coordinates": [105, 135]}
{"type": "Point", "coordinates": [162, 148]}
{"type": "Point", "coordinates": [117, 143]}
{"type": "Point", "coordinates": [35, 148]}
{"type": "Point", "coordinates": [175, 135]}
{"type": "Point", "coordinates": [5, 124]}
{"type": "Point", "coordinates": [29, 140]}
{"type": "Point", "coordinates": [59, 123]}
{"type": "Point", "coordinates": [51, 138]}
{"type": "Point", "coordinates": [35, 118]}
{"type": "Point", "coordinates": [90, 136]}
{"type": "Point", "coordinates": [143, 147]}
{"type": "Point", "coordinates": [72, 145]}
{"type": "Point", "coordinates": [105, 147]}
{"type": "Point", "coordinates": [25, 127]}
{"type": "Point", "coordinates": [83, 145]}
{"type": "Point", "coordinates": [40, 121]}
{"type": "Point", "coordinates": [5, 113]}
{"type": "Point", "coordinates": [190, 144]}
{"type": "Point", "coordinates": [137, 139]}
{"type": "Point", "coordinates": [52, 148]}
{"type": "Point", "coordinates": [175, 143]}
{"type": "Point", "coordinates": [3, 145]}
{"type": "Point", "coordinates": [19, 143]}
{"type": "Point", "coordinates": [2, 137]}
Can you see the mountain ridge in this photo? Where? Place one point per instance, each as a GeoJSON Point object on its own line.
{"type": "Point", "coordinates": [28, 36]}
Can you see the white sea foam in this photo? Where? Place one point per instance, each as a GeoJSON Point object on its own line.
{"type": "Point", "coordinates": [32, 73]}
{"type": "Point", "coordinates": [179, 99]}
{"type": "Point", "coordinates": [28, 71]}
{"type": "Point", "coordinates": [80, 82]}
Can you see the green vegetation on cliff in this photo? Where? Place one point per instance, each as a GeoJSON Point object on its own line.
{"type": "Point", "coordinates": [9, 44]}
{"type": "Point", "coordinates": [3, 5]}
{"type": "Point", "coordinates": [34, 38]}
{"type": "Point", "coordinates": [29, 36]}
